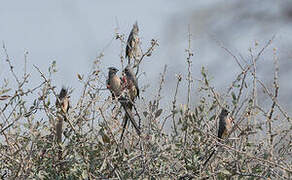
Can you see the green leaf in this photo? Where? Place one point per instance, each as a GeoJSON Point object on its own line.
{"type": "Point", "coordinates": [212, 117]}
{"type": "Point", "coordinates": [233, 95]}
{"type": "Point", "coordinates": [5, 91]}
{"type": "Point", "coordinates": [145, 113]}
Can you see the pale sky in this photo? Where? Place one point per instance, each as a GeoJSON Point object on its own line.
{"type": "Point", "coordinates": [74, 33]}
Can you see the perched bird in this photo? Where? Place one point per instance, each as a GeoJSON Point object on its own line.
{"type": "Point", "coordinates": [114, 82]}
{"type": "Point", "coordinates": [225, 124]}
{"type": "Point", "coordinates": [131, 83]}
{"type": "Point", "coordinates": [133, 50]}
{"type": "Point", "coordinates": [116, 86]}
{"type": "Point", "coordinates": [62, 102]}
{"type": "Point", "coordinates": [225, 127]}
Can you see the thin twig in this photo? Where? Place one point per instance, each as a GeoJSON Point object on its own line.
{"type": "Point", "coordinates": [179, 78]}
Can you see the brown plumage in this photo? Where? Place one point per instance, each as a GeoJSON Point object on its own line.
{"type": "Point", "coordinates": [133, 50]}
{"type": "Point", "coordinates": [225, 127]}
{"type": "Point", "coordinates": [116, 86]}
{"type": "Point", "coordinates": [131, 83]}
{"type": "Point", "coordinates": [127, 105]}
{"type": "Point", "coordinates": [62, 102]}
{"type": "Point", "coordinates": [225, 124]}
{"type": "Point", "coordinates": [114, 82]}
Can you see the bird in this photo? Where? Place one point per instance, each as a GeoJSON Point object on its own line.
{"type": "Point", "coordinates": [225, 124]}
{"type": "Point", "coordinates": [116, 86]}
{"type": "Point", "coordinates": [133, 50]}
{"type": "Point", "coordinates": [62, 103]}
{"type": "Point", "coordinates": [114, 83]}
{"type": "Point", "coordinates": [225, 128]}
{"type": "Point", "coordinates": [131, 84]}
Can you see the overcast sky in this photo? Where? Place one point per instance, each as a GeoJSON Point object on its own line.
{"type": "Point", "coordinates": [74, 33]}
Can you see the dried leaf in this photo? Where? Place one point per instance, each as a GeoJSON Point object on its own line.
{"type": "Point", "coordinates": [4, 97]}
{"type": "Point", "coordinates": [79, 77]}
{"type": "Point", "coordinates": [27, 114]}
{"type": "Point", "coordinates": [96, 72]}
{"type": "Point", "coordinates": [105, 139]}
{"type": "Point", "coordinates": [158, 113]}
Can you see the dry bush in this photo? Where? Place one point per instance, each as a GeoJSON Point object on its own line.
{"type": "Point", "coordinates": [259, 146]}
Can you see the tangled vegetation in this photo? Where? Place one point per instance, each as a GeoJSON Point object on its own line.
{"type": "Point", "coordinates": [259, 146]}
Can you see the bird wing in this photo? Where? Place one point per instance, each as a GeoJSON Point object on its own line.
{"type": "Point", "coordinates": [129, 44]}
{"type": "Point", "coordinates": [135, 82]}
{"type": "Point", "coordinates": [222, 127]}
{"type": "Point", "coordinates": [65, 105]}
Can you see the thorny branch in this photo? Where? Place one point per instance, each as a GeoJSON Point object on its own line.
{"type": "Point", "coordinates": [90, 149]}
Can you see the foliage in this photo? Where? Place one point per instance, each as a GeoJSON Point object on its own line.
{"type": "Point", "coordinates": [259, 147]}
